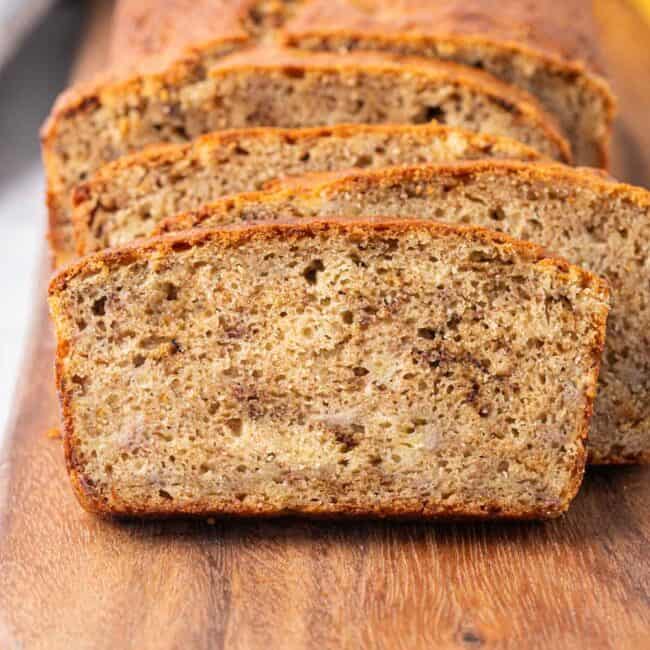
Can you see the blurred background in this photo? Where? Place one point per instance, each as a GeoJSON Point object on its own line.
{"type": "Point", "coordinates": [38, 43]}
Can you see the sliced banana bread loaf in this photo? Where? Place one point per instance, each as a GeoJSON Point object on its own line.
{"type": "Point", "coordinates": [392, 369]}
{"type": "Point", "coordinates": [548, 48]}
{"type": "Point", "coordinates": [92, 126]}
{"type": "Point", "coordinates": [128, 197]}
{"type": "Point", "coordinates": [583, 216]}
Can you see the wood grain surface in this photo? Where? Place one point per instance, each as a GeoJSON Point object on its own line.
{"type": "Point", "coordinates": [70, 580]}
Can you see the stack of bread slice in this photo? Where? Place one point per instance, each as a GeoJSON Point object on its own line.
{"type": "Point", "coordinates": [341, 306]}
{"type": "Point", "coordinates": [97, 124]}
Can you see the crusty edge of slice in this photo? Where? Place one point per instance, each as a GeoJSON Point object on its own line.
{"type": "Point", "coordinates": [273, 59]}
{"type": "Point", "coordinates": [421, 40]}
{"type": "Point", "coordinates": [231, 237]}
{"type": "Point", "coordinates": [84, 194]}
{"type": "Point", "coordinates": [312, 184]}
{"type": "Point", "coordinates": [171, 152]}
{"type": "Point", "coordinates": [88, 95]}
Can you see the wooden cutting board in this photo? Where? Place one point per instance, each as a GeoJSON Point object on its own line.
{"type": "Point", "coordinates": [70, 580]}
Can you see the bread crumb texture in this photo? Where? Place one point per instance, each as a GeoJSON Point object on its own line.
{"type": "Point", "coordinates": [548, 49]}
{"type": "Point", "coordinates": [408, 369]}
{"type": "Point", "coordinates": [276, 88]}
{"type": "Point", "coordinates": [126, 199]}
{"type": "Point", "coordinates": [576, 213]}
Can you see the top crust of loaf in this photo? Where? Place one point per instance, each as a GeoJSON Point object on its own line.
{"type": "Point", "coordinates": [596, 179]}
{"type": "Point", "coordinates": [141, 29]}
{"type": "Point", "coordinates": [236, 235]}
{"type": "Point", "coordinates": [562, 34]}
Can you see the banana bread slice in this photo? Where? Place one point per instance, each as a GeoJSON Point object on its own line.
{"type": "Point", "coordinates": [128, 197]}
{"type": "Point", "coordinates": [388, 369]}
{"type": "Point", "coordinates": [94, 125]}
{"type": "Point", "coordinates": [592, 221]}
{"type": "Point", "coordinates": [548, 48]}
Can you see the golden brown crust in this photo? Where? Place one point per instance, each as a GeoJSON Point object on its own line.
{"type": "Point", "coordinates": [564, 34]}
{"type": "Point", "coordinates": [169, 153]}
{"type": "Point", "coordinates": [86, 195]}
{"type": "Point", "coordinates": [157, 247]}
{"type": "Point", "coordinates": [561, 38]}
{"type": "Point", "coordinates": [594, 179]}
{"type": "Point", "coordinates": [312, 184]}
{"type": "Point", "coordinates": [408, 510]}
{"type": "Point", "coordinates": [237, 235]}
{"type": "Point", "coordinates": [517, 100]}
{"type": "Point", "coordinates": [142, 28]}
{"type": "Point", "coordinates": [58, 256]}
